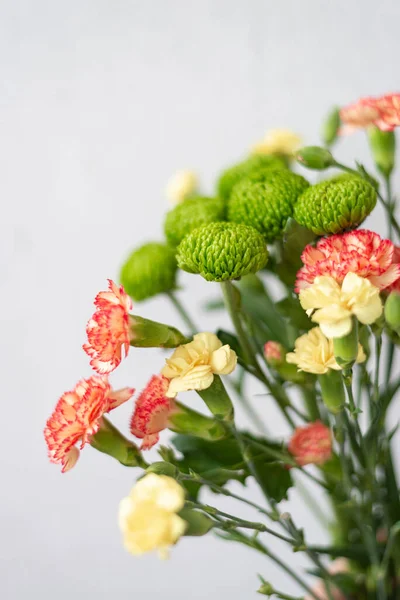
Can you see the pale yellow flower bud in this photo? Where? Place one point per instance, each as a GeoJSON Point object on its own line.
{"type": "Point", "coordinates": [278, 141]}
{"type": "Point", "coordinates": [180, 186]}
{"type": "Point", "coordinates": [314, 353]}
{"type": "Point", "coordinates": [193, 366]}
{"type": "Point", "coordinates": [332, 305]}
{"type": "Point", "coordinates": [148, 516]}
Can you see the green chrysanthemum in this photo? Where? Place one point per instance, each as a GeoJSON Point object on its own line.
{"type": "Point", "coordinates": [149, 270]}
{"type": "Point", "coordinates": [232, 176]}
{"type": "Point", "coordinates": [265, 200]}
{"type": "Point", "coordinates": [222, 251]}
{"type": "Point", "coordinates": [336, 204]}
{"type": "Point", "coordinates": [190, 214]}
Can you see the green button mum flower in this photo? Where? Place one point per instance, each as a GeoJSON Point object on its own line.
{"type": "Point", "coordinates": [265, 200]}
{"type": "Point", "coordinates": [149, 270]}
{"type": "Point", "coordinates": [222, 251]}
{"type": "Point", "coordinates": [232, 176]}
{"type": "Point", "coordinates": [336, 204]}
{"type": "Point", "coordinates": [189, 215]}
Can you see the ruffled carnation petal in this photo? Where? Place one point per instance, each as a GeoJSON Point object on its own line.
{"type": "Point", "coordinates": [361, 252]}
{"type": "Point", "coordinates": [108, 329]}
{"type": "Point", "coordinates": [77, 417]}
{"type": "Point", "coordinates": [152, 410]}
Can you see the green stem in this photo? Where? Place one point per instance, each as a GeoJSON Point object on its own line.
{"type": "Point", "coordinates": [238, 522]}
{"type": "Point", "coordinates": [234, 311]}
{"type": "Point", "coordinates": [366, 532]}
{"type": "Point", "coordinates": [232, 306]}
{"type": "Point", "coordinates": [257, 545]}
{"type": "Point", "coordinates": [248, 407]}
{"type": "Point", "coordinates": [394, 531]}
{"type": "Point", "coordinates": [182, 312]}
{"type": "Point", "coordinates": [391, 205]}
{"type": "Point", "coordinates": [226, 492]}
{"type": "Point", "coordinates": [389, 363]}
{"type": "Point", "coordinates": [378, 348]}
{"type": "Point", "coordinates": [312, 504]}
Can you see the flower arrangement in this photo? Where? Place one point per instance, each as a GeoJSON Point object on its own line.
{"type": "Point", "coordinates": [330, 342]}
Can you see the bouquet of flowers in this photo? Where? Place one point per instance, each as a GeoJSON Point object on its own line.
{"type": "Point", "coordinates": [314, 302]}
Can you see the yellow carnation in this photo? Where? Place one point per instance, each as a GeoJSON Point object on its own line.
{"type": "Point", "coordinates": [180, 186]}
{"type": "Point", "coordinates": [313, 353]}
{"type": "Point", "coordinates": [332, 305]}
{"type": "Point", "coordinates": [193, 366]}
{"type": "Point", "coordinates": [278, 141]}
{"type": "Point", "coordinates": [147, 517]}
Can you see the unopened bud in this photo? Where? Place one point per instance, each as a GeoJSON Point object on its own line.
{"type": "Point", "coordinates": [274, 353]}
{"type": "Point", "coordinates": [383, 148]}
{"type": "Point", "coordinates": [315, 157]}
{"type": "Point", "coordinates": [330, 127]}
{"type": "Point", "coordinates": [392, 311]}
{"type": "Point", "coordinates": [266, 589]}
{"type": "Point", "coordinates": [332, 390]}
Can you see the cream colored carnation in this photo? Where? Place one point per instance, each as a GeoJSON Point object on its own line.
{"type": "Point", "coordinates": [180, 186]}
{"type": "Point", "coordinates": [148, 516]}
{"type": "Point", "coordinates": [193, 366]}
{"type": "Point", "coordinates": [278, 141]}
{"type": "Point", "coordinates": [332, 305]}
{"type": "Point", "coordinates": [313, 353]}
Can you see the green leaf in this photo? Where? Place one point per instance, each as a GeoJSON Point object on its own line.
{"type": "Point", "coordinates": [295, 239]}
{"type": "Point", "coordinates": [222, 460]}
{"type": "Point", "coordinates": [273, 476]}
{"type": "Point", "coordinates": [291, 308]}
{"type": "Point", "coordinates": [261, 308]}
{"type": "Point", "coordinates": [214, 305]}
{"type": "Point", "coordinates": [275, 480]}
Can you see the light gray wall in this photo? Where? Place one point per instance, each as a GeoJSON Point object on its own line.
{"type": "Point", "coordinates": [99, 103]}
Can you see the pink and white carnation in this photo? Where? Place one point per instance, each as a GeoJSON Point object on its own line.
{"type": "Point", "coordinates": [362, 252]}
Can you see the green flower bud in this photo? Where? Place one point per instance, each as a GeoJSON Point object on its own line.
{"type": "Point", "coordinates": [163, 468]}
{"type": "Point", "coordinates": [332, 390]}
{"type": "Point", "coordinates": [336, 204]}
{"type": "Point", "coordinates": [197, 522]}
{"type": "Point", "coordinates": [149, 270]}
{"type": "Point", "coordinates": [346, 348]}
{"type": "Point", "coordinates": [266, 589]}
{"type": "Point", "coordinates": [232, 176]}
{"type": "Point", "coordinates": [222, 251]}
{"type": "Point", "coordinates": [330, 127]}
{"type": "Point", "coordinates": [109, 440]}
{"type": "Point", "coordinates": [392, 311]}
{"type": "Point", "coordinates": [315, 157]}
{"type": "Point", "coordinates": [265, 200]}
{"type": "Point", "coordinates": [189, 215]}
{"type": "Point", "coordinates": [383, 148]}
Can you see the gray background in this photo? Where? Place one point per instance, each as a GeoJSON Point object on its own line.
{"type": "Point", "coordinates": [99, 103]}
